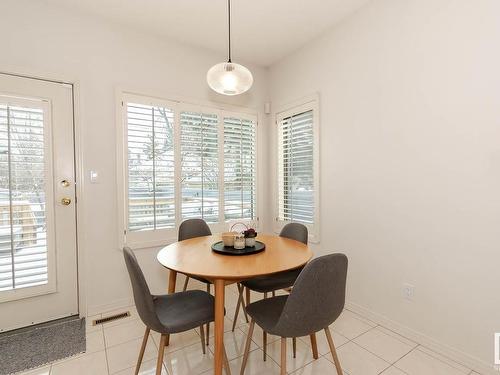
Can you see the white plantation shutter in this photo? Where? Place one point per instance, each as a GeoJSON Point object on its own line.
{"type": "Point", "coordinates": [182, 161]}
{"type": "Point", "coordinates": [199, 166]}
{"type": "Point", "coordinates": [240, 168]}
{"type": "Point", "coordinates": [296, 189]}
{"type": "Point", "coordinates": [23, 222]}
{"type": "Point", "coordinates": [150, 143]}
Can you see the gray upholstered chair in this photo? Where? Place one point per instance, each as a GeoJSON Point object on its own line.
{"type": "Point", "coordinates": [270, 284]}
{"type": "Point", "coordinates": [192, 228]}
{"type": "Point", "coordinates": [315, 302]}
{"type": "Point", "coordinates": [170, 313]}
{"type": "Point", "coordinates": [282, 280]}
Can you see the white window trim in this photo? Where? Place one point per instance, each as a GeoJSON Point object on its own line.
{"type": "Point", "coordinates": [161, 237]}
{"type": "Point", "coordinates": [305, 104]}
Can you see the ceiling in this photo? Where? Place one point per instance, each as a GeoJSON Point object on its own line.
{"type": "Point", "coordinates": [264, 31]}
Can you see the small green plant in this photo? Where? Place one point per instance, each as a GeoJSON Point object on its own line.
{"type": "Point", "coordinates": [250, 233]}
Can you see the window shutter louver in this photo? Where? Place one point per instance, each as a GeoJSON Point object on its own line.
{"type": "Point", "coordinates": [23, 224]}
{"type": "Point", "coordinates": [151, 182]}
{"type": "Point", "coordinates": [199, 166]}
{"type": "Point", "coordinates": [239, 169]}
{"type": "Point", "coordinates": [296, 168]}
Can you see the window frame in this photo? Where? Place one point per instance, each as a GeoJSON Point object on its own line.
{"type": "Point", "coordinates": [310, 103]}
{"type": "Point", "coordinates": [159, 237]}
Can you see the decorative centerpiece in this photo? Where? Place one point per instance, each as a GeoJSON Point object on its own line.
{"type": "Point", "coordinates": [250, 235]}
{"type": "Point", "coordinates": [239, 242]}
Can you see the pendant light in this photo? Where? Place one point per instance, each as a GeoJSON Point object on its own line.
{"type": "Point", "coordinates": [228, 78]}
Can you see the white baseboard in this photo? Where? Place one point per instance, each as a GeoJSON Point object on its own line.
{"type": "Point", "coordinates": [456, 355]}
{"type": "Point", "coordinates": [115, 305]}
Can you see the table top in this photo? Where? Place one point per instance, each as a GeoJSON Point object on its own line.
{"type": "Point", "coordinates": [195, 257]}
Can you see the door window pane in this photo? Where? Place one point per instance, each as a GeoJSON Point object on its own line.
{"type": "Point", "coordinates": [23, 226]}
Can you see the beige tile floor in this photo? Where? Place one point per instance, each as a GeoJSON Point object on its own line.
{"type": "Point", "coordinates": [364, 348]}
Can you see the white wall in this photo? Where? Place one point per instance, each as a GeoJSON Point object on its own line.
{"type": "Point", "coordinates": [410, 93]}
{"type": "Point", "coordinates": [410, 152]}
{"type": "Point", "coordinates": [41, 40]}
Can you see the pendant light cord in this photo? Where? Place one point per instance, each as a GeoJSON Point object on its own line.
{"type": "Point", "coordinates": [229, 28]}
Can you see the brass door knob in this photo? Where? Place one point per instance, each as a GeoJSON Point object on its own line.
{"type": "Point", "coordinates": [65, 201]}
{"type": "Point", "coordinates": [65, 183]}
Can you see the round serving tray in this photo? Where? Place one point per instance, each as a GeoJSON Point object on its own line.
{"type": "Point", "coordinates": [219, 247]}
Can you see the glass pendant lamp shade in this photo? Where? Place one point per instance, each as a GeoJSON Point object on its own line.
{"type": "Point", "coordinates": [229, 78]}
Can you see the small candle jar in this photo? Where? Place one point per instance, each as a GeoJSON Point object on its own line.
{"type": "Point", "coordinates": [239, 241]}
{"type": "Point", "coordinates": [250, 241]}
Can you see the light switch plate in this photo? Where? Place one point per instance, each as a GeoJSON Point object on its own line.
{"type": "Point", "coordinates": [94, 177]}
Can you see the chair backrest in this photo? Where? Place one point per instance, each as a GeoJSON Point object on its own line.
{"type": "Point", "coordinates": [317, 297]}
{"type": "Point", "coordinates": [144, 302]}
{"type": "Point", "coordinates": [295, 231]}
{"type": "Point", "coordinates": [192, 228]}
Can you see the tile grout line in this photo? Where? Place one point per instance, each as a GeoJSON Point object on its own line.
{"type": "Point", "coordinates": [105, 348]}
{"type": "Point", "coordinates": [385, 360]}
{"type": "Point", "coordinates": [417, 345]}
{"type": "Point", "coordinates": [397, 334]}
{"type": "Point", "coordinates": [411, 351]}
{"type": "Point", "coordinates": [438, 359]}
{"type": "Point", "coordinates": [356, 316]}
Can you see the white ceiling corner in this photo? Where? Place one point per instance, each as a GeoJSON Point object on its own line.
{"type": "Point", "coordinates": [264, 31]}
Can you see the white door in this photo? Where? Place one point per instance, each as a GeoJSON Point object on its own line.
{"type": "Point", "coordinates": [38, 256]}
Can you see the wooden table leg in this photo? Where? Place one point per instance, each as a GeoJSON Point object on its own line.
{"type": "Point", "coordinates": [314, 346]}
{"type": "Point", "coordinates": [172, 279]}
{"type": "Point", "coordinates": [219, 326]}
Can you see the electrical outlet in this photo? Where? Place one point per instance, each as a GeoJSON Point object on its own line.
{"type": "Point", "coordinates": [408, 292]}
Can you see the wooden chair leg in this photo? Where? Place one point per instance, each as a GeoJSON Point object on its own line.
{"type": "Point", "coordinates": [202, 335]}
{"type": "Point", "coordinates": [208, 324]}
{"type": "Point", "coordinates": [226, 363]}
{"type": "Point", "coordinates": [185, 284]}
{"type": "Point", "coordinates": [247, 296]}
{"type": "Point", "coordinates": [161, 351]}
{"type": "Point", "coordinates": [240, 299]}
{"type": "Point", "coordinates": [243, 305]}
{"type": "Point", "coordinates": [334, 351]}
{"type": "Point", "coordinates": [294, 344]}
{"type": "Point", "coordinates": [264, 344]}
{"type": "Point", "coordinates": [283, 356]}
{"type": "Point", "coordinates": [314, 346]}
{"type": "Point", "coordinates": [247, 346]}
{"type": "Point", "coordinates": [172, 281]}
{"type": "Point", "coordinates": [143, 348]}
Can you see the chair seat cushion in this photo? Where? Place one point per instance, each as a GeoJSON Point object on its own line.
{"type": "Point", "coordinates": [267, 312]}
{"type": "Point", "coordinates": [180, 312]}
{"type": "Point", "coordinates": [264, 284]}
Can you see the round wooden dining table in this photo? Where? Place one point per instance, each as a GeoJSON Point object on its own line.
{"type": "Point", "coordinates": [195, 257]}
